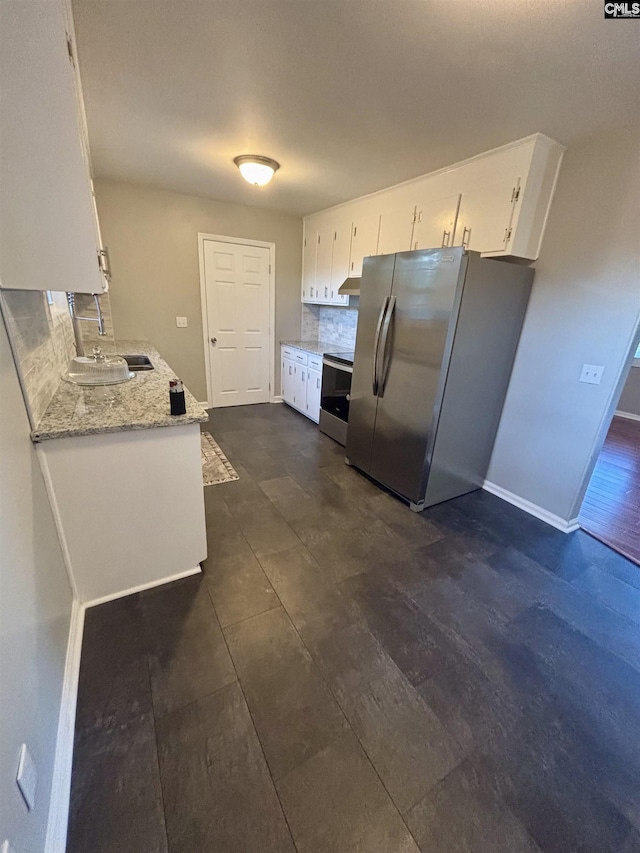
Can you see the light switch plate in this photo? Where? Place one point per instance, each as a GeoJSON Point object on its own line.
{"type": "Point", "coordinates": [181, 322]}
{"type": "Point", "coordinates": [27, 777]}
{"type": "Point", "coordinates": [592, 373]}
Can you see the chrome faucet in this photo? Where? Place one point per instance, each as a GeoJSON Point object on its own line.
{"type": "Point", "coordinates": [77, 334]}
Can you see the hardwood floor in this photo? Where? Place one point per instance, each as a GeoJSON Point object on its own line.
{"type": "Point", "coordinates": [349, 677]}
{"type": "Point", "coordinates": [611, 508]}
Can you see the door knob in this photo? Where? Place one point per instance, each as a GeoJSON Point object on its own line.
{"type": "Point", "coordinates": [214, 341]}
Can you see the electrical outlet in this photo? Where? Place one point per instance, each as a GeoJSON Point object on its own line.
{"type": "Point", "coordinates": [181, 322]}
{"type": "Point", "coordinates": [27, 777]}
{"type": "Point", "coordinates": [592, 373]}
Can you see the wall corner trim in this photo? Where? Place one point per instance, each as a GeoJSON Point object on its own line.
{"type": "Point", "coordinates": [277, 399]}
{"type": "Point", "coordinates": [56, 839]}
{"type": "Point", "coordinates": [533, 509]}
{"type": "Point", "coordinates": [142, 587]}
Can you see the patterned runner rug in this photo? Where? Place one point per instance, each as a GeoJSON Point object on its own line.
{"type": "Point", "coordinates": [216, 468]}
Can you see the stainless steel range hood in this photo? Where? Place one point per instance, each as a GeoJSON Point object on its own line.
{"type": "Point", "coordinates": [350, 286]}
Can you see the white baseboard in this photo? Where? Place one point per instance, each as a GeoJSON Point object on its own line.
{"type": "Point", "coordinates": [204, 405]}
{"type": "Point", "coordinates": [531, 508]}
{"type": "Point", "coordinates": [277, 399]}
{"type": "Point", "coordinates": [628, 415]}
{"type": "Point", "coordinates": [141, 587]}
{"type": "Point", "coordinates": [56, 841]}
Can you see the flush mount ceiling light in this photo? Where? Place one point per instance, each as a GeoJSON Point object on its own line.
{"type": "Point", "coordinates": [255, 169]}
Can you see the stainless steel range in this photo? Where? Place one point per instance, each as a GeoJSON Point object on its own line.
{"type": "Point", "coordinates": [337, 368]}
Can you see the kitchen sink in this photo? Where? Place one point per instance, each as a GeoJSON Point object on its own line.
{"type": "Point", "coordinates": [138, 362]}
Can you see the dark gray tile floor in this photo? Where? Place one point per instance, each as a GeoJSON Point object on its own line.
{"type": "Point", "coordinates": [348, 676]}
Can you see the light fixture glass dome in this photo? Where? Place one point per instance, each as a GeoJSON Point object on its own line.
{"type": "Point", "coordinates": [255, 169]}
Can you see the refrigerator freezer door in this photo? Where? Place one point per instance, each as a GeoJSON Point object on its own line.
{"type": "Point", "coordinates": [377, 275]}
{"type": "Point", "coordinates": [427, 287]}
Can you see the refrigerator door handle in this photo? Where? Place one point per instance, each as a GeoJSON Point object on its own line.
{"type": "Point", "coordinates": [376, 345]}
{"type": "Point", "coordinates": [382, 344]}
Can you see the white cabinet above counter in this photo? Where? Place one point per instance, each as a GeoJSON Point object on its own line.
{"type": "Point", "coordinates": [49, 234]}
{"type": "Point", "coordinates": [496, 203]}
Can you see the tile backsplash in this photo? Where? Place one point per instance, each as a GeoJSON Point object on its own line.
{"type": "Point", "coordinates": [330, 324]}
{"type": "Point", "coordinates": [41, 334]}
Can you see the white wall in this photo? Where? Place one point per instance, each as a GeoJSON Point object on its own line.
{"type": "Point", "coordinates": [585, 307]}
{"type": "Point", "coordinates": [152, 237]}
{"type": "Point", "coordinates": [35, 606]}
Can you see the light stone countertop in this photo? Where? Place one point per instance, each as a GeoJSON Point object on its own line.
{"type": "Point", "coordinates": [316, 347]}
{"type": "Point", "coordinates": [140, 403]}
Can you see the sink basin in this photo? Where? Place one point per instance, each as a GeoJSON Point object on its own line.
{"type": "Point", "coordinates": [98, 370]}
{"type": "Point", "coordinates": [138, 362]}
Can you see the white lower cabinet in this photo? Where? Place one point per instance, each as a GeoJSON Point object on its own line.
{"type": "Point", "coordinates": [287, 380]}
{"type": "Point", "coordinates": [314, 387]}
{"type": "Point", "coordinates": [301, 385]}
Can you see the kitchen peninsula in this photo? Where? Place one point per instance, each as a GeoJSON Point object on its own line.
{"type": "Point", "coordinates": [125, 479]}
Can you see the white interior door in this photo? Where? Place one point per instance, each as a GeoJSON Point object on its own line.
{"type": "Point", "coordinates": [237, 282]}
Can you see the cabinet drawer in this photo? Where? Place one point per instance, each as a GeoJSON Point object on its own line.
{"type": "Point", "coordinates": [300, 357]}
{"type": "Point", "coordinates": [287, 352]}
{"type": "Point", "coordinates": [315, 362]}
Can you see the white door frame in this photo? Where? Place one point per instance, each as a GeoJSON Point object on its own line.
{"type": "Point", "coordinates": [241, 241]}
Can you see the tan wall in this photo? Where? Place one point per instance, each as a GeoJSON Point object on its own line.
{"type": "Point", "coordinates": [152, 237]}
{"type": "Point", "coordinates": [584, 308]}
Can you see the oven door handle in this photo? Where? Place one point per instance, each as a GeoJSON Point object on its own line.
{"type": "Point", "coordinates": [337, 366]}
{"type": "Point", "coordinates": [376, 346]}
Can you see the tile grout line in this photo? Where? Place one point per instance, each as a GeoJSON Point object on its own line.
{"type": "Point", "coordinates": [244, 697]}
{"type": "Point", "coordinates": [342, 711]}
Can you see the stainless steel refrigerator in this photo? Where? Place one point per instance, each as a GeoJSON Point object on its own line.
{"type": "Point", "coordinates": [437, 334]}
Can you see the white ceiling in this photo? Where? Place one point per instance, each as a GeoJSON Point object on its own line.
{"type": "Point", "coordinates": [348, 95]}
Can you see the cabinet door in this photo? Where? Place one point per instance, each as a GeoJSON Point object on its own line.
{"type": "Point", "coordinates": [324, 257]}
{"type": "Point", "coordinates": [300, 387]}
{"type": "Point", "coordinates": [395, 230]}
{"type": "Point", "coordinates": [309, 255]}
{"type": "Point", "coordinates": [435, 222]}
{"type": "Point", "coordinates": [485, 215]}
{"type": "Point", "coordinates": [340, 259]}
{"type": "Point", "coordinates": [47, 222]}
{"type": "Point", "coordinates": [287, 380]}
{"type": "Point", "coordinates": [314, 386]}
{"type": "Point", "coordinates": [364, 241]}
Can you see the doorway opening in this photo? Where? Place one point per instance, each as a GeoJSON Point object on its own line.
{"type": "Point", "coordinates": [611, 507]}
{"type": "Point", "coordinates": [238, 319]}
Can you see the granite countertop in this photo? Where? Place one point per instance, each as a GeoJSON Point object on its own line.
{"type": "Point", "coordinates": [316, 347]}
{"type": "Point", "coordinates": [141, 403]}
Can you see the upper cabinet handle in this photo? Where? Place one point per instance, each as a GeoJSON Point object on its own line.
{"type": "Point", "coordinates": [105, 262]}
{"type": "Point", "coordinates": [446, 236]}
{"type": "Point", "coordinates": [466, 238]}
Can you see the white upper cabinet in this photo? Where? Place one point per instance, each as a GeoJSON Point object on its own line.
{"type": "Point", "coordinates": [396, 228]}
{"type": "Point", "coordinates": [341, 258]}
{"type": "Point", "coordinates": [324, 258]}
{"type": "Point", "coordinates": [48, 227]}
{"type": "Point", "coordinates": [496, 203]}
{"type": "Point", "coordinates": [435, 222]}
{"type": "Point", "coordinates": [364, 240]}
{"type": "Point", "coordinates": [485, 216]}
{"type": "Point", "coordinates": [309, 257]}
